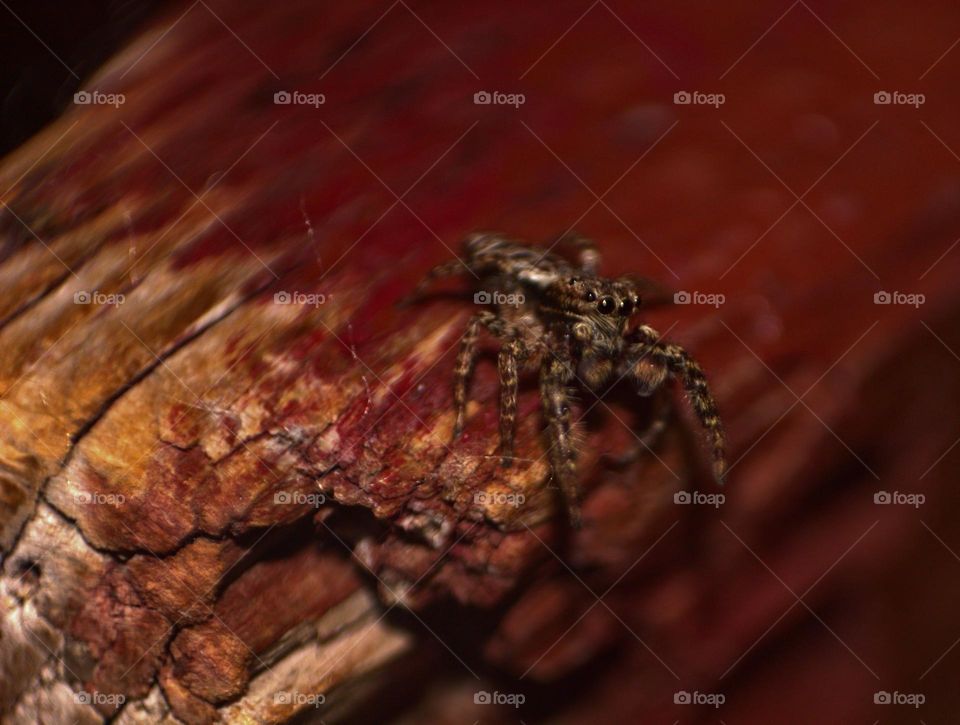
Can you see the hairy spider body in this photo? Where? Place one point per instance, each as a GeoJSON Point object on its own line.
{"type": "Point", "coordinates": [562, 315]}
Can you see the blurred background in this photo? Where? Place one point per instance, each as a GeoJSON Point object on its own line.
{"type": "Point", "coordinates": [790, 172]}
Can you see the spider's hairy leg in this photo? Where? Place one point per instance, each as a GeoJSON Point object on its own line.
{"type": "Point", "coordinates": [444, 269]}
{"type": "Point", "coordinates": [585, 249]}
{"type": "Point", "coordinates": [651, 434]}
{"type": "Point", "coordinates": [675, 361]}
{"type": "Point", "coordinates": [555, 374]}
{"type": "Point", "coordinates": [510, 355]}
{"type": "Point", "coordinates": [652, 294]}
{"type": "Point", "coordinates": [464, 366]}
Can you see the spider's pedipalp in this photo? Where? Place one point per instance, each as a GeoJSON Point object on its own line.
{"type": "Point", "coordinates": [648, 374]}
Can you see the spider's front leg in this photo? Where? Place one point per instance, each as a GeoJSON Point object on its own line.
{"type": "Point", "coordinates": [650, 361]}
{"type": "Point", "coordinates": [465, 359]}
{"type": "Point", "coordinates": [511, 354]}
{"type": "Point", "coordinates": [555, 375]}
{"type": "Point", "coordinates": [464, 366]}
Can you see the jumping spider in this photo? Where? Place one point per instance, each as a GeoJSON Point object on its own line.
{"type": "Point", "coordinates": [574, 322]}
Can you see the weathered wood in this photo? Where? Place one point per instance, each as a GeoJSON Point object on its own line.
{"type": "Point", "coordinates": [215, 504]}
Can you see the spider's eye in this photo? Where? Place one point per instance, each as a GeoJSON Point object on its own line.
{"type": "Point", "coordinates": [626, 307]}
{"type": "Point", "coordinates": [606, 305]}
{"type": "Point", "coordinates": [591, 296]}
{"type": "Point", "coordinates": [636, 301]}
{"type": "Point", "coordinates": [573, 280]}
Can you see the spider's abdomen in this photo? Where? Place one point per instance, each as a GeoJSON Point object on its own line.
{"type": "Point", "coordinates": [489, 254]}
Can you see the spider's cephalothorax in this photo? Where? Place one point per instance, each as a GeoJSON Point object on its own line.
{"type": "Point", "coordinates": [561, 314]}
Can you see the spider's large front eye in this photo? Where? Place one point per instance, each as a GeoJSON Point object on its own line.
{"type": "Point", "coordinates": [606, 305]}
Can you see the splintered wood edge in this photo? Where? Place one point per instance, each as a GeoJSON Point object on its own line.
{"type": "Point", "coordinates": [349, 641]}
{"type": "Point", "coordinates": [360, 641]}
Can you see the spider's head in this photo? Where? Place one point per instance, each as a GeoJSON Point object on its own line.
{"type": "Point", "coordinates": [595, 309]}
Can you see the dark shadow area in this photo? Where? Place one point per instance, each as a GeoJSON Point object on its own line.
{"type": "Point", "coordinates": [49, 49]}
